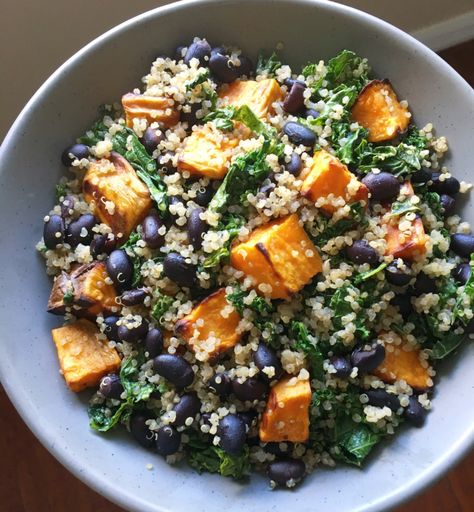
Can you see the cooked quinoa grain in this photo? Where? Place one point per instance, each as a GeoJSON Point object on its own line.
{"type": "Point", "coordinates": [255, 264]}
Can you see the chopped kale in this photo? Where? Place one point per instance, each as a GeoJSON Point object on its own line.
{"type": "Point", "coordinates": [61, 191]}
{"type": "Point", "coordinates": [267, 66]}
{"type": "Point", "coordinates": [356, 218]}
{"type": "Point", "coordinates": [307, 343]}
{"type": "Point", "coordinates": [162, 305]}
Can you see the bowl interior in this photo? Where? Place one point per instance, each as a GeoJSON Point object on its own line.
{"type": "Point", "coordinates": [30, 166]}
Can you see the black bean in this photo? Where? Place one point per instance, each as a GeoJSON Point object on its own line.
{"type": "Point", "coordinates": [398, 276]}
{"type": "Point", "coordinates": [165, 162]}
{"type": "Point", "coordinates": [140, 431]}
{"type": "Point", "coordinates": [154, 342]}
{"type": "Point", "coordinates": [266, 188]}
{"type": "Point", "coordinates": [53, 231]}
{"type": "Point", "coordinates": [310, 112]}
{"type": "Point", "coordinates": [178, 270]}
{"type": "Point", "coordinates": [282, 471]}
{"type": "Point", "coordinates": [342, 366]}
{"type": "Point", "coordinates": [421, 176]}
{"type": "Point", "coordinates": [188, 406]}
{"type": "Point", "coordinates": [462, 244]}
{"type": "Point", "coordinates": [424, 284]}
{"type": "Point", "coordinates": [218, 50]}
{"type": "Point", "coordinates": [249, 417]}
{"type": "Point", "coordinates": [190, 116]}
{"type": "Point", "coordinates": [200, 50]}
{"type": "Point", "coordinates": [133, 334]}
{"type": "Point", "coordinates": [448, 203]}
{"type": "Point", "coordinates": [151, 138]}
{"type": "Point", "coordinates": [232, 432]}
{"type": "Point", "coordinates": [133, 297]}
{"type": "Point", "coordinates": [415, 413]}
{"type": "Point", "coordinates": [204, 196]}
{"type": "Point", "coordinates": [151, 226]}
{"type": "Point", "coordinates": [175, 369]}
{"type": "Point", "coordinates": [381, 398]}
{"type": "Point", "coordinates": [299, 134]}
{"type": "Point", "coordinates": [403, 303]}
{"type": "Point", "coordinates": [367, 360]}
{"type": "Point", "coordinates": [80, 231]}
{"type": "Point", "coordinates": [111, 327]}
{"type": "Point", "coordinates": [222, 68]}
{"type": "Point", "coordinates": [174, 201]}
{"type": "Point", "coordinates": [168, 440]}
{"type": "Point", "coordinates": [78, 151]}
{"type": "Point", "coordinates": [294, 101]}
{"type": "Point", "coordinates": [178, 53]}
{"type": "Point", "coordinates": [361, 252]}
{"type": "Point", "coordinates": [251, 389]}
{"type": "Point", "coordinates": [382, 186]}
{"type": "Point", "coordinates": [289, 82]}
{"type": "Point", "coordinates": [196, 228]}
{"type": "Point", "coordinates": [245, 67]}
{"type": "Point", "coordinates": [67, 206]}
{"type": "Point", "coordinates": [275, 449]}
{"type": "Point", "coordinates": [264, 357]}
{"type": "Point", "coordinates": [462, 273]}
{"type": "Point", "coordinates": [469, 329]}
{"type": "Point", "coordinates": [120, 269]}
{"type": "Point", "coordinates": [221, 384]}
{"type": "Point", "coordinates": [110, 386]}
{"type": "Point", "coordinates": [101, 244]}
{"type": "Point", "coordinates": [448, 186]}
{"type": "Point", "coordinates": [294, 165]}
{"type": "Point", "coordinates": [206, 418]}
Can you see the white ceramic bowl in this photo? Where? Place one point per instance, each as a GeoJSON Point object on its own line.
{"type": "Point", "coordinates": [63, 108]}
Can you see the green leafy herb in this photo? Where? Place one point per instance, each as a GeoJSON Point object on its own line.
{"type": "Point", "coordinates": [433, 200]}
{"type": "Point", "coordinates": [355, 441]}
{"type": "Point", "coordinates": [342, 95]}
{"type": "Point", "coordinates": [132, 240]}
{"type": "Point", "coordinates": [137, 391]}
{"type": "Point", "coordinates": [403, 207]}
{"type": "Point", "coordinates": [445, 345]}
{"type": "Point", "coordinates": [356, 217]}
{"type": "Point", "coordinates": [369, 273]}
{"type": "Point", "coordinates": [103, 419]}
{"type": "Point", "coordinates": [98, 130]}
{"type": "Point", "coordinates": [307, 343]}
{"type": "Point", "coordinates": [267, 66]}
{"type": "Point", "coordinates": [69, 295]}
{"type": "Point", "coordinates": [61, 191]}
{"type": "Point", "coordinates": [258, 305]}
{"type": "Point", "coordinates": [200, 79]}
{"type": "Point", "coordinates": [162, 305]}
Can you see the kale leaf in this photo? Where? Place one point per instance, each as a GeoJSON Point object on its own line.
{"type": "Point", "coordinates": [307, 343]}
{"type": "Point", "coordinates": [356, 218]}
{"type": "Point", "coordinates": [102, 419]}
{"type": "Point", "coordinates": [355, 441]}
{"type": "Point", "coordinates": [98, 130]}
{"type": "Point", "coordinates": [267, 66]}
{"type": "Point", "coordinates": [162, 305]}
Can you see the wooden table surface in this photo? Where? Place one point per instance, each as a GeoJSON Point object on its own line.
{"type": "Point", "coordinates": [33, 481]}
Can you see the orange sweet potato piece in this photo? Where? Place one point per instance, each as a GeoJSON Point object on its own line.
{"type": "Point", "coordinates": [279, 254]}
{"type": "Point", "coordinates": [83, 357]}
{"type": "Point", "coordinates": [151, 108]}
{"type": "Point", "coordinates": [378, 110]}
{"type": "Point", "coordinates": [217, 332]}
{"type": "Point", "coordinates": [85, 287]}
{"type": "Point", "coordinates": [259, 96]}
{"type": "Point", "coordinates": [207, 152]}
{"type": "Point", "coordinates": [407, 245]}
{"type": "Point", "coordinates": [286, 416]}
{"type": "Point", "coordinates": [328, 175]}
{"type": "Point", "coordinates": [118, 197]}
{"type": "Point", "coordinates": [401, 364]}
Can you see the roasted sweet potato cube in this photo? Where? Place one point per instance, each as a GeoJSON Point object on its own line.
{"type": "Point", "coordinates": [408, 244]}
{"type": "Point", "coordinates": [403, 363]}
{"type": "Point", "coordinates": [378, 110]}
{"type": "Point", "coordinates": [286, 416]}
{"type": "Point", "coordinates": [279, 254]}
{"type": "Point", "coordinates": [118, 197]}
{"type": "Point", "coordinates": [211, 327]}
{"type": "Point", "coordinates": [258, 96]}
{"type": "Point", "coordinates": [151, 108]}
{"type": "Point", "coordinates": [328, 175]}
{"type": "Point", "coordinates": [207, 152]}
{"type": "Point", "coordinates": [85, 287]}
{"type": "Point", "coordinates": [83, 357]}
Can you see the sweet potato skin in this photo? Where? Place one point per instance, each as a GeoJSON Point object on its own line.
{"type": "Point", "coordinates": [401, 364]}
{"type": "Point", "coordinates": [328, 175]}
{"type": "Point", "coordinates": [151, 108]}
{"type": "Point", "coordinates": [83, 358]}
{"type": "Point", "coordinates": [214, 324]}
{"type": "Point", "coordinates": [259, 96]}
{"type": "Point", "coordinates": [378, 110]}
{"type": "Point", "coordinates": [280, 254]}
{"type": "Point", "coordinates": [86, 287]}
{"type": "Point", "coordinates": [286, 416]}
{"type": "Point", "coordinates": [115, 180]}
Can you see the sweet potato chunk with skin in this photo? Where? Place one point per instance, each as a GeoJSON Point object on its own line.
{"type": "Point", "coordinates": [118, 197]}
{"type": "Point", "coordinates": [378, 110]}
{"type": "Point", "coordinates": [258, 96]}
{"type": "Point", "coordinates": [86, 287]}
{"type": "Point", "coordinates": [401, 364]}
{"type": "Point", "coordinates": [219, 325]}
{"type": "Point", "coordinates": [151, 108]}
{"type": "Point", "coordinates": [207, 152]}
{"type": "Point", "coordinates": [279, 254]}
{"type": "Point", "coordinates": [286, 416]}
{"type": "Point", "coordinates": [328, 175]}
{"type": "Point", "coordinates": [83, 357]}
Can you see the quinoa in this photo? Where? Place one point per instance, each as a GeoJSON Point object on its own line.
{"type": "Point", "coordinates": [387, 291]}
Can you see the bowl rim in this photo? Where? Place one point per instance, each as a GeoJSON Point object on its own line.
{"type": "Point", "coordinates": [93, 478]}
